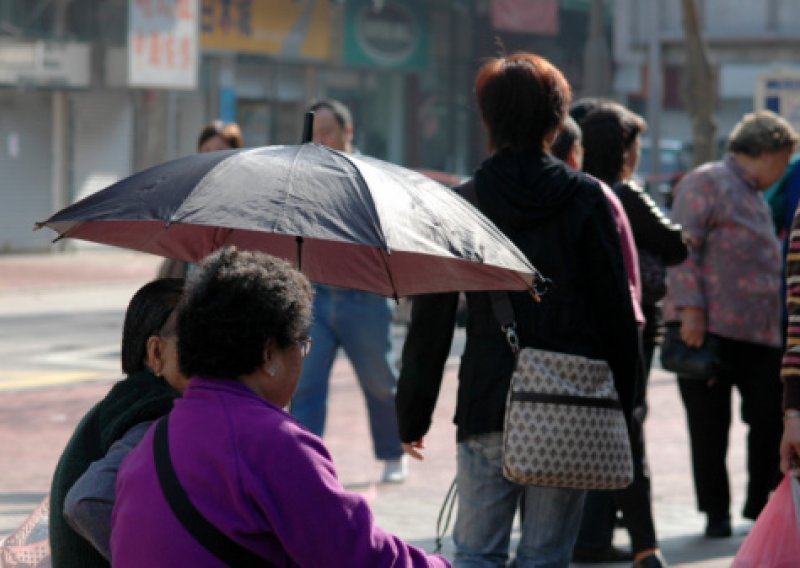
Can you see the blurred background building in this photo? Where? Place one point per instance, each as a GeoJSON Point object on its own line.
{"type": "Point", "coordinates": [93, 90]}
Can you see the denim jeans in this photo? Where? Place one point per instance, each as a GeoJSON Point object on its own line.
{"type": "Point", "coordinates": [487, 503]}
{"type": "Point", "coordinates": [360, 323]}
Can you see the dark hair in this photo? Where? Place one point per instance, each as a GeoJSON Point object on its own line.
{"type": "Point", "coordinates": [340, 112]}
{"type": "Point", "coordinates": [566, 139]}
{"type": "Point", "coordinates": [147, 313]}
{"type": "Point", "coordinates": [235, 303]}
{"type": "Point", "coordinates": [608, 132]}
{"type": "Point", "coordinates": [584, 106]}
{"type": "Point", "coordinates": [230, 133]}
{"type": "Point", "coordinates": [522, 99]}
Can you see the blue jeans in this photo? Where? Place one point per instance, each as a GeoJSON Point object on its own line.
{"type": "Point", "coordinates": [487, 503]}
{"type": "Point", "coordinates": [359, 322]}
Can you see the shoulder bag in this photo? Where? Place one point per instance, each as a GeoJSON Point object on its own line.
{"type": "Point", "coordinates": [564, 425]}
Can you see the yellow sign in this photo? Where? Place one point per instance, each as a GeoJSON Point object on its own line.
{"type": "Point", "coordinates": [293, 29]}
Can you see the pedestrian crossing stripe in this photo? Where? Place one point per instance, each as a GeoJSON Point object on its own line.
{"type": "Point", "coordinates": [11, 380]}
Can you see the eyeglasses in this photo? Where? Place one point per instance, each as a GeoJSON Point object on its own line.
{"type": "Point", "coordinates": [304, 343]}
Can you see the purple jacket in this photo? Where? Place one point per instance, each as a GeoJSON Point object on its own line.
{"type": "Point", "coordinates": [629, 254]}
{"type": "Point", "coordinates": [261, 478]}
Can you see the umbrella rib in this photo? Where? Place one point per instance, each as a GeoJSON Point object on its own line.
{"type": "Point", "coordinates": [384, 254]}
{"type": "Point", "coordinates": [299, 240]}
{"type": "Point", "coordinates": [378, 225]}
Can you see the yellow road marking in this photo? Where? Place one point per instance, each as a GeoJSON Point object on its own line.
{"type": "Point", "coordinates": [21, 380]}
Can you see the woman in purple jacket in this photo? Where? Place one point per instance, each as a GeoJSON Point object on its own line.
{"type": "Point", "coordinates": [265, 483]}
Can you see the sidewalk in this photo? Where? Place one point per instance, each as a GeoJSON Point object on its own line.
{"type": "Point", "coordinates": [34, 425]}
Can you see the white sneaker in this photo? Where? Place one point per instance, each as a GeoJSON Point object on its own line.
{"type": "Point", "coordinates": [395, 471]}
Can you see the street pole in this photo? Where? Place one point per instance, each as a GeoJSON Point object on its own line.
{"type": "Point", "coordinates": [59, 125]}
{"type": "Point", "coordinates": [596, 56]}
{"type": "Point", "coordinates": [654, 90]}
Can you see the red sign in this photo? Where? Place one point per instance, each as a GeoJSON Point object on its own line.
{"type": "Point", "coordinates": [163, 43]}
{"type": "Point", "coordinates": [528, 16]}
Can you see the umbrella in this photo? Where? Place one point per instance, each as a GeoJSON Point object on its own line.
{"type": "Point", "coordinates": [345, 220]}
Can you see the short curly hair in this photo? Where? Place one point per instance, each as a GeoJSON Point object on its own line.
{"type": "Point", "coordinates": [234, 304]}
{"type": "Point", "coordinates": [522, 98]}
{"type": "Point", "coordinates": [761, 132]}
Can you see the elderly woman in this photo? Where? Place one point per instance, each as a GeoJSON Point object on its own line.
{"type": "Point", "coordinates": [255, 479]}
{"type": "Point", "coordinates": [730, 286]}
{"type": "Point", "coordinates": [560, 219]}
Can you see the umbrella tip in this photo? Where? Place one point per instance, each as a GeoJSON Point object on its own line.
{"type": "Point", "coordinates": [308, 127]}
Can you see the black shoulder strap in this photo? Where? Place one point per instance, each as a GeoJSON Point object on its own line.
{"type": "Point", "coordinates": [217, 543]}
{"type": "Point", "coordinates": [502, 309]}
{"type": "Point", "coordinates": [501, 302]}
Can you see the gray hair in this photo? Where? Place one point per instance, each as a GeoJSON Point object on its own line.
{"type": "Point", "coordinates": [761, 132]}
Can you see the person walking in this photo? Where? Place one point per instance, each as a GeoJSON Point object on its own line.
{"type": "Point", "coordinates": [611, 153]}
{"type": "Point", "coordinates": [730, 286]}
{"type": "Point", "coordinates": [790, 368]}
{"type": "Point", "coordinates": [560, 219]}
{"type": "Point", "coordinates": [360, 323]}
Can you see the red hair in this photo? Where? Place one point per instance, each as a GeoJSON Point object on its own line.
{"type": "Point", "coordinates": [522, 98]}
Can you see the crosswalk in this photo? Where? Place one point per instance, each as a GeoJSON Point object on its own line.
{"type": "Point", "coordinates": [18, 379]}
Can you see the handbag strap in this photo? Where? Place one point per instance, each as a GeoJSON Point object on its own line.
{"type": "Point", "coordinates": [504, 314]}
{"type": "Point", "coordinates": [215, 541]}
{"type": "Point", "coordinates": [501, 302]}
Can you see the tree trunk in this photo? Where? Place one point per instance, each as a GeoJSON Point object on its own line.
{"type": "Point", "coordinates": [700, 93]}
{"type": "Point", "coordinates": [596, 55]}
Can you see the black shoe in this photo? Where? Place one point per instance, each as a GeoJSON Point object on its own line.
{"type": "Point", "coordinates": [654, 560]}
{"type": "Point", "coordinates": [719, 528]}
{"type": "Point", "coordinates": [751, 510]}
{"type": "Point", "coordinates": [595, 556]}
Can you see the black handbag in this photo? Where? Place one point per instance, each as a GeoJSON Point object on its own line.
{"type": "Point", "coordinates": [701, 363]}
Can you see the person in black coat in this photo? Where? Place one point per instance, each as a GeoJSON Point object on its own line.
{"type": "Point", "coordinates": [561, 221]}
{"type": "Point", "coordinates": [610, 134]}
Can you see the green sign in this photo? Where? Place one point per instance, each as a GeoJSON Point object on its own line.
{"type": "Point", "coordinates": [391, 34]}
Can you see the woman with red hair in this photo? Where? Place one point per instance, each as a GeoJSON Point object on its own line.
{"type": "Point", "coordinates": [559, 218]}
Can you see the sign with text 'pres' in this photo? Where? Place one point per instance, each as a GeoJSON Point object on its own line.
{"type": "Point", "coordinates": [162, 44]}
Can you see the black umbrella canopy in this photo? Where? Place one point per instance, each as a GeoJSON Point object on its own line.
{"type": "Point", "coordinates": [343, 219]}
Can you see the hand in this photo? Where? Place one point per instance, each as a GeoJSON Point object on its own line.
{"type": "Point", "coordinates": [790, 444]}
{"type": "Point", "coordinates": [413, 449]}
{"type": "Point", "coordinates": [693, 326]}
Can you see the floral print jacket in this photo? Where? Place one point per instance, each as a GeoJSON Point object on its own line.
{"type": "Point", "coordinates": [733, 270]}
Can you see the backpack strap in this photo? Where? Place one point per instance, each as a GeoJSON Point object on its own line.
{"type": "Point", "coordinates": [215, 541]}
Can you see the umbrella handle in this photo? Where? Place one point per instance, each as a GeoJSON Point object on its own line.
{"type": "Point", "coordinates": [308, 127]}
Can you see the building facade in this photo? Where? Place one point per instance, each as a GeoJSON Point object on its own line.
{"type": "Point", "coordinates": [93, 90]}
{"type": "Point", "coordinates": [745, 39]}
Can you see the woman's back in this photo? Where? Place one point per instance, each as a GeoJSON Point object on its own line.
{"type": "Point", "coordinates": [560, 220]}
{"type": "Point", "coordinates": [259, 477]}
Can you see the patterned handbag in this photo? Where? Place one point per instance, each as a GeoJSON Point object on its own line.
{"type": "Point", "coordinates": [564, 425]}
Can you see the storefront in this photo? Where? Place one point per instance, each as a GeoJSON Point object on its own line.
{"type": "Point", "coordinates": [34, 79]}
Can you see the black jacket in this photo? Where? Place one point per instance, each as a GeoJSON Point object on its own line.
{"type": "Point", "coordinates": [141, 397]}
{"type": "Point", "coordinates": [560, 219]}
{"type": "Point", "coordinates": [652, 230]}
